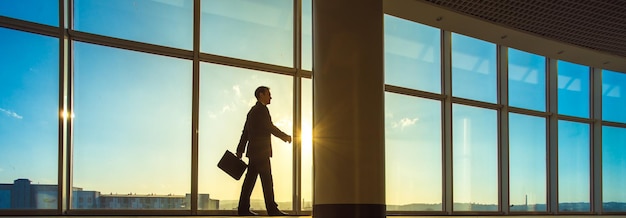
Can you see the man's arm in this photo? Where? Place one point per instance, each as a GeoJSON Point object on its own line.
{"type": "Point", "coordinates": [280, 134]}
{"type": "Point", "coordinates": [243, 140]}
{"type": "Point", "coordinates": [275, 131]}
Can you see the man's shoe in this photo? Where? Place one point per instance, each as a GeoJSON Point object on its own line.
{"type": "Point", "coordinates": [247, 213]}
{"type": "Point", "coordinates": [276, 212]}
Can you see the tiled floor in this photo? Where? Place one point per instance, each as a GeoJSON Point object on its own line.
{"type": "Point", "coordinates": [533, 216]}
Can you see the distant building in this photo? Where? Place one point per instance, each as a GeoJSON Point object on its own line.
{"type": "Point", "coordinates": [85, 199]}
{"type": "Point", "coordinates": [24, 195]}
{"type": "Point", "coordinates": [5, 196]}
{"type": "Point", "coordinates": [204, 202]}
{"type": "Point", "coordinates": [150, 201]}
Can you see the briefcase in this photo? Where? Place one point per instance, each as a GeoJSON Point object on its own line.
{"type": "Point", "coordinates": [232, 165]}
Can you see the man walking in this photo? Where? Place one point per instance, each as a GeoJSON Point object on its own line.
{"type": "Point", "coordinates": [256, 135]}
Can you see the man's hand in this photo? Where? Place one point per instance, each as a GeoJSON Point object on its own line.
{"type": "Point", "coordinates": [239, 155]}
{"type": "Point", "coordinates": [287, 139]}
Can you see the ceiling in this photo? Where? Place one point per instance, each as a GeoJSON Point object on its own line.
{"type": "Point", "coordinates": [594, 24]}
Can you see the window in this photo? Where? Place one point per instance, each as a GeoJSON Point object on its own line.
{"type": "Point", "coordinates": [132, 133]}
{"type": "Point", "coordinates": [413, 165]}
{"type": "Point", "coordinates": [474, 73]}
{"type": "Point", "coordinates": [612, 100]}
{"type": "Point", "coordinates": [573, 91]}
{"type": "Point", "coordinates": [226, 96]}
{"type": "Point", "coordinates": [307, 35]}
{"type": "Point", "coordinates": [44, 12]}
{"type": "Point", "coordinates": [260, 31]}
{"type": "Point", "coordinates": [527, 80]}
{"type": "Point", "coordinates": [29, 120]}
{"type": "Point", "coordinates": [527, 168]}
{"type": "Point", "coordinates": [475, 158]}
{"type": "Point", "coordinates": [132, 115]}
{"type": "Point", "coordinates": [162, 22]}
{"type": "Point", "coordinates": [613, 169]}
{"type": "Point", "coordinates": [412, 55]}
{"type": "Point", "coordinates": [573, 166]}
{"type": "Point", "coordinates": [307, 145]}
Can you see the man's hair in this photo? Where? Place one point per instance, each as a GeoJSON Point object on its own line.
{"type": "Point", "coordinates": [259, 90]}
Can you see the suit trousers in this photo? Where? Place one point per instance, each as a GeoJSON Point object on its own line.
{"type": "Point", "coordinates": [258, 167]}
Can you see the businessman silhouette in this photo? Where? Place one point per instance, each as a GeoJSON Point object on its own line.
{"type": "Point", "coordinates": [256, 136]}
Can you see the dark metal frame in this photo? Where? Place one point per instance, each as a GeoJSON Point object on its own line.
{"type": "Point", "coordinates": [67, 36]}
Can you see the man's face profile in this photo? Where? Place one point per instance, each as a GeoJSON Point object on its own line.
{"type": "Point", "coordinates": [265, 97]}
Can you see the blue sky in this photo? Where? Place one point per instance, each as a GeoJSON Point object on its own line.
{"type": "Point", "coordinates": [28, 107]}
{"type": "Point", "coordinates": [132, 115]}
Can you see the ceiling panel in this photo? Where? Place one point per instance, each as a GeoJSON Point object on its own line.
{"type": "Point", "coordinates": [596, 24]}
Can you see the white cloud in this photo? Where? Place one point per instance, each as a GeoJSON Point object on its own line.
{"type": "Point", "coordinates": [405, 122]}
{"type": "Point", "coordinates": [237, 90]}
{"type": "Point", "coordinates": [226, 108]}
{"type": "Point", "coordinates": [284, 122]}
{"type": "Point", "coordinates": [251, 102]}
{"type": "Point", "coordinates": [11, 113]}
{"type": "Point", "coordinates": [211, 115]}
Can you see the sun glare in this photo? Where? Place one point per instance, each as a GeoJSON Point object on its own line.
{"type": "Point", "coordinates": [66, 114]}
{"type": "Point", "coordinates": [307, 137]}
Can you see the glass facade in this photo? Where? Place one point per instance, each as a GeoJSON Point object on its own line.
{"type": "Point", "coordinates": [132, 113]}
{"type": "Point", "coordinates": [306, 131]}
{"type": "Point", "coordinates": [474, 74]}
{"type": "Point", "coordinates": [574, 166]}
{"type": "Point", "coordinates": [613, 168]}
{"type": "Point", "coordinates": [475, 158]}
{"type": "Point", "coordinates": [42, 12]}
{"type": "Point", "coordinates": [307, 35]}
{"type": "Point", "coordinates": [573, 92]}
{"type": "Point", "coordinates": [226, 96]}
{"type": "Point", "coordinates": [260, 31]}
{"type": "Point", "coordinates": [470, 125]}
{"type": "Point", "coordinates": [527, 163]}
{"type": "Point", "coordinates": [476, 128]}
{"type": "Point", "coordinates": [412, 55]}
{"type": "Point", "coordinates": [527, 80]}
{"type": "Point", "coordinates": [413, 153]}
{"type": "Point", "coordinates": [613, 85]}
{"type": "Point", "coordinates": [29, 117]}
{"type": "Point", "coordinates": [167, 23]}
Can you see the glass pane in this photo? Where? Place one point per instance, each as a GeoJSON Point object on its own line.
{"type": "Point", "coordinates": [573, 89]}
{"type": "Point", "coordinates": [527, 80]}
{"type": "Point", "coordinates": [307, 34]}
{"type": "Point", "coordinates": [613, 103]}
{"type": "Point", "coordinates": [573, 166]}
{"type": "Point", "coordinates": [260, 31]}
{"type": "Point", "coordinates": [29, 120]}
{"type": "Point", "coordinates": [413, 165]}
{"type": "Point", "coordinates": [475, 158]}
{"type": "Point", "coordinates": [527, 158]}
{"type": "Point", "coordinates": [307, 145]}
{"type": "Point", "coordinates": [226, 96]}
{"type": "Point", "coordinates": [162, 22]}
{"type": "Point", "coordinates": [474, 69]}
{"type": "Point", "coordinates": [613, 169]}
{"type": "Point", "coordinates": [44, 12]}
{"type": "Point", "coordinates": [412, 55]}
{"type": "Point", "coordinates": [132, 141]}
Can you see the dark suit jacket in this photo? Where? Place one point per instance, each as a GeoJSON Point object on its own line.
{"type": "Point", "coordinates": [257, 133]}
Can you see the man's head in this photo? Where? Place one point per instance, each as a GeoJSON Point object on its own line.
{"type": "Point", "coordinates": [263, 95]}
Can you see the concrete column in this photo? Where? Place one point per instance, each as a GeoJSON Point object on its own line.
{"type": "Point", "coordinates": [348, 109]}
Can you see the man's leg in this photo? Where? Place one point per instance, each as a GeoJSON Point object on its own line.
{"type": "Point", "coordinates": [246, 188]}
{"type": "Point", "coordinates": [265, 172]}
